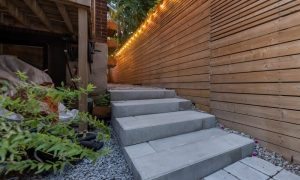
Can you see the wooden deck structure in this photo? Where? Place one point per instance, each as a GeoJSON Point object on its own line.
{"type": "Point", "coordinates": [70, 17]}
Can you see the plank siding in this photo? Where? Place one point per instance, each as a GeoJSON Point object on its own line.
{"type": "Point", "coordinates": [238, 59]}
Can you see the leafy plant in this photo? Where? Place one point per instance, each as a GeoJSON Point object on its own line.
{"type": "Point", "coordinates": [40, 143]}
{"type": "Point", "coordinates": [103, 100]}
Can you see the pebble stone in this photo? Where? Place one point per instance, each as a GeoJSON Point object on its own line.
{"type": "Point", "coordinates": [110, 167]}
{"type": "Point", "coordinates": [263, 153]}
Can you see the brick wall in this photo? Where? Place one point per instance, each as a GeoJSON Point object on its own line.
{"type": "Point", "coordinates": [101, 21]}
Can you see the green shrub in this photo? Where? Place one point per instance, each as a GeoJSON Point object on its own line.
{"type": "Point", "coordinates": [103, 100]}
{"type": "Point", "coordinates": [22, 143]}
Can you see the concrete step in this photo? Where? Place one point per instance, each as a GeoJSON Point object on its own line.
{"type": "Point", "coordinates": [140, 94]}
{"type": "Point", "coordinates": [138, 129]}
{"type": "Point", "coordinates": [189, 156]}
{"type": "Point", "coordinates": [150, 106]}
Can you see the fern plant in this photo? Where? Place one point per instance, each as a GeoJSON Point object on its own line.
{"type": "Point", "coordinates": [40, 143]}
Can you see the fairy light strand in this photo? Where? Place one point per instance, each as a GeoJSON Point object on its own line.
{"type": "Point", "coordinates": [143, 27]}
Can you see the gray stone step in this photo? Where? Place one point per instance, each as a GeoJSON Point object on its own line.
{"type": "Point", "coordinates": [138, 129]}
{"type": "Point", "coordinates": [140, 94]}
{"type": "Point", "coordinates": [189, 156]}
{"type": "Point", "coordinates": [151, 106]}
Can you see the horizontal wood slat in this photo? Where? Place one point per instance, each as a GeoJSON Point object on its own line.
{"type": "Point", "coordinates": [238, 59]}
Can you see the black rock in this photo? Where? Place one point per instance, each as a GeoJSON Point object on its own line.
{"type": "Point", "coordinates": [94, 145]}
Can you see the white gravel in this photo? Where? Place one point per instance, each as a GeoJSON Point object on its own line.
{"type": "Point", "coordinates": [110, 167]}
{"type": "Point", "coordinates": [267, 155]}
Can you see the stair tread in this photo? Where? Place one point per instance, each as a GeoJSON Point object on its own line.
{"type": "Point", "coordinates": [151, 120]}
{"type": "Point", "coordinates": [148, 101]}
{"type": "Point", "coordinates": [185, 154]}
{"type": "Point", "coordinates": [140, 90]}
{"type": "Point", "coordinates": [150, 106]}
{"type": "Point", "coordinates": [139, 94]}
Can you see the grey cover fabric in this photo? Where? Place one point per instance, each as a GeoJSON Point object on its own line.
{"type": "Point", "coordinates": [9, 65]}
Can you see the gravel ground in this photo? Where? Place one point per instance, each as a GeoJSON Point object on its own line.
{"type": "Point", "coordinates": [110, 167]}
{"type": "Point", "coordinates": [267, 155]}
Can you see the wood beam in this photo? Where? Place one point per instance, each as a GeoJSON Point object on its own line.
{"type": "Point", "coordinates": [15, 12]}
{"type": "Point", "coordinates": [39, 12]}
{"type": "Point", "coordinates": [83, 54]}
{"type": "Point", "coordinates": [63, 11]}
{"type": "Point", "coordinates": [76, 3]}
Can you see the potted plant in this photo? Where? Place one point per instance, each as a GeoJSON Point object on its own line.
{"type": "Point", "coordinates": [102, 108]}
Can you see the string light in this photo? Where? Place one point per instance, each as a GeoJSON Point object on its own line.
{"type": "Point", "coordinates": [146, 23]}
{"type": "Point", "coordinates": [162, 6]}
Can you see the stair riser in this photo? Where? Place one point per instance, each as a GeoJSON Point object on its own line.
{"type": "Point", "coordinates": [140, 95]}
{"type": "Point", "coordinates": [135, 136]}
{"type": "Point", "coordinates": [143, 109]}
{"type": "Point", "coordinates": [201, 169]}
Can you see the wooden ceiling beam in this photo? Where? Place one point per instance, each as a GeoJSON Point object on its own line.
{"type": "Point", "coordinates": [38, 11]}
{"type": "Point", "coordinates": [65, 15]}
{"type": "Point", "coordinates": [15, 12]}
{"type": "Point", "coordinates": [76, 3]}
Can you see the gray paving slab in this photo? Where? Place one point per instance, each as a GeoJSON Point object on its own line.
{"type": "Point", "coordinates": [220, 175]}
{"type": "Point", "coordinates": [286, 175]}
{"type": "Point", "coordinates": [262, 165]}
{"type": "Point", "coordinates": [139, 129]}
{"type": "Point", "coordinates": [244, 172]}
{"type": "Point", "coordinates": [192, 161]}
{"type": "Point", "coordinates": [139, 150]}
{"type": "Point", "coordinates": [184, 139]}
{"type": "Point", "coordinates": [151, 106]}
{"type": "Point", "coordinates": [139, 94]}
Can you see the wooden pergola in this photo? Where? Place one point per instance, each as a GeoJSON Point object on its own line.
{"type": "Point", "coordinates": [57, 17]}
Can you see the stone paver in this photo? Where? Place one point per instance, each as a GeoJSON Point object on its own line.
{"type": "Point", "coordinates": [221, 175]}
{"type": "Point", "coordinates": [253, 168]}
{"type": "Point", "coordinates": [245, 172]}
{"type": "Point", "coordinates": [285, 175]}
{"type": "Point", "coordinates": [262, 165]}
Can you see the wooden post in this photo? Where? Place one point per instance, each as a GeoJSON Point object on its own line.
{"type": "Point", "coordinates": [83, 58]}
{"type": "Point", "coordinates": [1, 49]}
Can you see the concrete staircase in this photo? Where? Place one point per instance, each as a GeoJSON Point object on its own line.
{"type": "Point", "coordinates": [163, 138]}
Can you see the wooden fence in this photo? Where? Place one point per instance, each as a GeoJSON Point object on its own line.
{"type": "Point", "coordinates": [238, 59]}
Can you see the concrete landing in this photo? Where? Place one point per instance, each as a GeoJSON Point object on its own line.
{"type": "Point", "coordinates": [139, 129]}
{"type": "Point", "coordinates": [191, 157]}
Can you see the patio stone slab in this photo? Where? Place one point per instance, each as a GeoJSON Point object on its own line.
{"type": "Point", "coordinates": [220, 175]}
{"type": "Point", "coordinates": [244, 172]}
{"type": "Point", "coordinates": [286, 175]}
{"type": "Point", "coordinates": [262, 165]}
